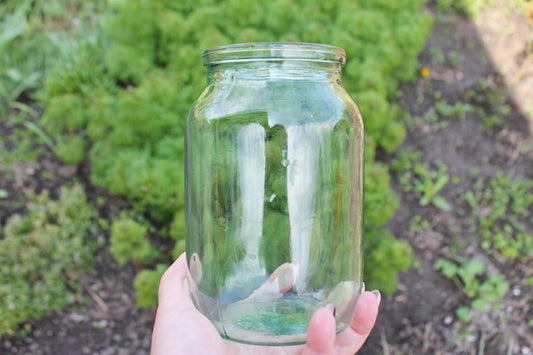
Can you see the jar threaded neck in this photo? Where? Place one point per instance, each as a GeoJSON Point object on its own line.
{"type": "Point", "coordinates": [274, 51]}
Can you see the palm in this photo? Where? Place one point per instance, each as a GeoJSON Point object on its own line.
{"type": "Point", "coordinates": [180, 328]}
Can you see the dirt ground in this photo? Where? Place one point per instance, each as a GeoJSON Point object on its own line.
{"type": "Point", "coordinates": [420, 317]}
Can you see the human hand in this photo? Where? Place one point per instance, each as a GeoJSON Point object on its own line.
{"type": "Point", "coordinates": [181, 329]}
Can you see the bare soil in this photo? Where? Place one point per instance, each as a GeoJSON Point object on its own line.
{"type": "Point", "coordinates": [420, 317]}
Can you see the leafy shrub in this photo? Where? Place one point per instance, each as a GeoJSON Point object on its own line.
{"type": "Point", "coordinates": [147, 73]}
{"type": "Point", "coordinates": [29, 42]}
{"type": "Point", "coordinates": [44, 254]}
{"type": "Point", "coordinates": [146, 285]}
{"type": "Point", "coordinates": [71, 149]}
{"type": "Point", "coordinates": [129, 242]}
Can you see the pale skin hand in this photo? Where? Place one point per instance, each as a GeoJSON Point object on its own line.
{"type": "Point", "coordinates": [181, 329]}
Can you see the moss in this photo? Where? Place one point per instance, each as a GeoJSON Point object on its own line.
{"type": "Point", "coordinates": [147, 285]}
{"type": "Point", "coordinates": [70, 149]}
{"type": "Point", "coordinates": [43, 256]}
{"type": "Point", "coordinates": [129, 242]}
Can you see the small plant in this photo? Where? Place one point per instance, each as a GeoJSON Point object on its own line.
{"type": "Point", "coordinates": [146, 285]}
{"type": "Point", "coordinates": [417, 177]}
{"type": "Point", "coordinates": [43, 256]}
{"type": "Point", "coordinates": [457, 110]}
{"type": "Point", "coordinates": [129, 242]}
{"type": "Point", "coordinates": [469, 275]}
{"type": "Point", "coordinates": [390, 254]}
{"type": "Point", "coordinates": [418, 224]}
{"type": "Point", "coordinates": [492, 103]}
{"type": "Point", "coordinates": [453, 58]}
{"type": "Point", "coordinates": [470, 8]}
{"type": "Point", "coordinates": [501, 208]}
{"type": "Point", "coordinates": [437, 56]}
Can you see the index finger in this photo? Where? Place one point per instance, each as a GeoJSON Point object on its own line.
{"type": "Point", "coordinates": [364, 319]}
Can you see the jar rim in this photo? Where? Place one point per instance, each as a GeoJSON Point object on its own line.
{"type": "Point", "coordinates": [274, 51]}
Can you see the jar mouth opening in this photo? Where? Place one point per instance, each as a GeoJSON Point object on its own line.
{"type": "Point", "coordinates": [274, 51]}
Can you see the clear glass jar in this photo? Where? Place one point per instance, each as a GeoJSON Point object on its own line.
{"type": "Point", "coordinates": [274, 186]}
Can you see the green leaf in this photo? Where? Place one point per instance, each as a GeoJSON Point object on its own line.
{"type": "Point", "coordinates": [447, 268]}
{"type": "Point", "coordinates": [480, 304]}
{"type": "Point", "coordinates": [474, 267]}
{"type": "Point", "coordinates": [441, 203]}
{"type": "Point", "coordinates": [463, 314]}
{"type": "Point", "coordinates": [13, 26]}
{"type": "Point", "coordinates": [441, 182]}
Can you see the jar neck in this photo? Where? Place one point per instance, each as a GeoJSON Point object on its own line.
{"type": "Point", "coordinates": [275, 61]}
{"type": "Point", "coordinates": [275, 70]}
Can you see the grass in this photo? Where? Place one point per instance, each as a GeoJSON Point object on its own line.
{"type": "Point", "coordinates": [36, 36]}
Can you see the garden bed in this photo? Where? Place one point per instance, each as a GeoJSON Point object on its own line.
{"type": "Point", "coordinates": [463, 118]}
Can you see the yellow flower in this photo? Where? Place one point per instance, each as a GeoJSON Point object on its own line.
{"type": "Point", "coordinates": [424, 72]}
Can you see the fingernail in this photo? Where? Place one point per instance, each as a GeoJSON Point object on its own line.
{"type": "Point", "coordinates": [331, 308]}
{"type": "Point", "coordinates": [377, 294]}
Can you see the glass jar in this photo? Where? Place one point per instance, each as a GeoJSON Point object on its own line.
{"type": "Point", "coordinates": [274, 186]}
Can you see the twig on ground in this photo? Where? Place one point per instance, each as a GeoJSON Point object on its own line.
{"type": "Point", "coordinates": [481, 350]}
{"type": "Point", "coordinates": [103, 306]}
{"type": "Point", "coordinates": [384, 343]}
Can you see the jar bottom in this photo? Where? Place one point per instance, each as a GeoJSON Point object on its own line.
{"type": "Point", "coordinates": [283, 321]}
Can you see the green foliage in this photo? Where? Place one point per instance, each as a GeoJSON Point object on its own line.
{"type": "Point", "coordinates": [418, 224]}
{"type": "Point", "coordinates": [64, 111]}
{"type": "Point", "coordinates": [43, 256]}
{"type": "Point", "coordinates": [467, 274]}
{"type": "Point", "coordinates": [380, 204]}
{"type": "Point", "coordinates": [37, 35]}
{"type": "Point", "coordinates": [70, 149]}
{"type": "Point", "coordinates": [472, 8]}
{"type": "Point", "coordinates": [419, 178]}
{"type": "Point", "coordinates": [385, 256]}
{"type": "Point", "coordinates": [457, 110]}
{"type": "Point", "coordinates": [133, 86]}
{"type": "Point", "coordinates": [501, 208]}
{"type": "Point", "coordinates": [493, 102]}
{"type": "Point", "coordinates": [34, 35]}
{"type": "Point", "coordinates": [463, 314]}
{"type": "Point", "coordinates": [129, 242]}
{"type": "Point", "coordinates": [146, 285]}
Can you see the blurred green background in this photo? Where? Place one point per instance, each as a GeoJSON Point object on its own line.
{"type": "Point", "coordinates": [108, 85]}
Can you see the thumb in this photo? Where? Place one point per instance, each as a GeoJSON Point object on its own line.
{"type": "Point", "coordinates": [173, 287]}
{"type": "Point", "coordinates": [321, 332]}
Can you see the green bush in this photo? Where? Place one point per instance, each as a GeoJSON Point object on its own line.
{"type": "Point", "coordinates": [385, 256]}
{"type": "Point", "coordinates": [129, 242]}
{"type": "Point", "coordinates": [43, 256]}
{"type": "Point", "coordinates": [146, 285]}
{"type": "Point", "coordinates": [145, 73]}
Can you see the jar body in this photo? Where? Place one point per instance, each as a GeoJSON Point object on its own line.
{"type": "Point", "coordinates": [274, 186]}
